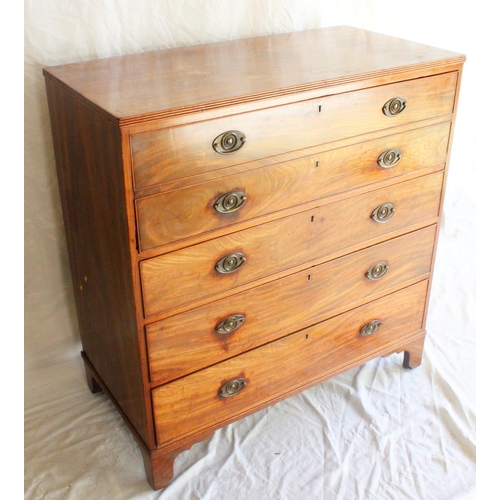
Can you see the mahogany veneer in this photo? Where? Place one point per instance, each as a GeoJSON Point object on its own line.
{"type": "Point", "coordinates": [216, 274]}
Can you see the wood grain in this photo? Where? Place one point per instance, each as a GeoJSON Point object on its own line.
{"type": "Point", "coordinates": [145, 86]}
{"type": "Point", "coordinates": [282, 158]}
{"type": "Point", "coordinates": [92, 194]}
{"type": "Point", "coordinates": [284, 243]}
{"type": "Point", "coordinates": [188, 342]}
{"type": "Point", "coordinates": [173, 153]}
{"type": "Point", "coordinates": [387, 349]}
{"type": "Point", "coordinates": [244, 104]}
{"type": "Point", "coordinates": [182, 213]}
{"type": "Point", "coordinates": [133, 142]}
{"type": "Point", "coordinates": [193, 403]}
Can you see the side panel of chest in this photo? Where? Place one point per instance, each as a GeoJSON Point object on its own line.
{"type": "Point", "coordinates": [93, 199]}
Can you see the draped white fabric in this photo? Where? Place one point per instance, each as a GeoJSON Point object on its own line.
{"type": "Point", "coordinates": [375, 432]}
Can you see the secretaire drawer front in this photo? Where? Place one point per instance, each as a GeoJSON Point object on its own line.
{"type": "Point", "coordinates": [192, 149]}
{"type": "Point", "coordinates": [200, 208]}
{"type": "Point", "coordinates": [187, 342]}
{"type": "Point", "coordinates": [220, 392]}
{"type": "Point", "coordinates": [235, 259]}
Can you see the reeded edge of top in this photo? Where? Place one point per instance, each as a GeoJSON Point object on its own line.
{"type": "Point", "coordinates": [199, 107]}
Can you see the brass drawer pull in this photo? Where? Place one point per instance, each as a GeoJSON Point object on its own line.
{"type": "Point", "coordinates": [383, 213]}
{"type": "Point", "coordinates": [232, 387]}
{"type": "Point", "coordinates": [229, 142]}
{"type": "Point", "coordinates": [394, 106]}
{"type": "Point", "coordinates": [230, 202]}
{"type": "Point", "coordinates": [377, 271]}
{"type": "Point", "coordinates": [389, 158]}
{"type": "Point", "coordinates": [230, 263]}
{"type": "Point", "coordinates": [230, 324]}
{"type": "Point", "coordinates": [370, 327]}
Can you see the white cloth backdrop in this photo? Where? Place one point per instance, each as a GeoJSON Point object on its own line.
{"type": "Point", "coordinates": [374, 433]}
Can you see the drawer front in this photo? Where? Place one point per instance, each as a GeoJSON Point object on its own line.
{"type": "Point", "coordinates": [188, 342]}
{"type": "Point", "coordinates": [193, 403]}
{"type": "Point", "coordinates": [190, 211]}
{"type": "Point", "coordinates": [283, 244]}
{"type": "Point", "coordinates": [188, 150]}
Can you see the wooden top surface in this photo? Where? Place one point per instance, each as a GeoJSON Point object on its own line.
{"type": "Point", "coordinates": [190, 79]}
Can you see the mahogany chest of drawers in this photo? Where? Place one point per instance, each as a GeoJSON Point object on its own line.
{"type": "Point", "coordinates": [246, 219]}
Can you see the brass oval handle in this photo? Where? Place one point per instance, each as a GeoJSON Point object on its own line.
{"type": "Point", "coordinates": [389, 158]}
{"type": "Point", "coordinates": [395, 106]}
{"type": "Point", "coordinates": [370, 327]}
{"type": "Point", "coordinates": [383, 213]}
{"type": "Point", "coordinates": [230, 324]}
{"type": "Point", "coordinates": [229, 142]}
{"type": "Point", "coordinates": [230, 263]}
{"type": "Point", "coordinates": [230, 202]}
{"type": "Point", "coordinates": [232, 387]}
{"type": "Point", "coordinates": [377, 271]}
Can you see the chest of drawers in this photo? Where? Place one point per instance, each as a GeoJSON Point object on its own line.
{"type": "Point", "coordinates": [248, 218]}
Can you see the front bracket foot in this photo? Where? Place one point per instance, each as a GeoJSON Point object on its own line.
{"type": "Point", "coordinates": [159, 469]}
{"type": "Point", "coordinates": [413, 353]}
{"type": "Point", "coordinates": [160, 466]}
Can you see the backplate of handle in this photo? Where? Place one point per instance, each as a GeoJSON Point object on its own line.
{"type": "Point", "coordinates": [229, 142]}
{"type": "Point", "coordinates": [394, 106]}
{"type": "Point", "coordinates": [230, 324]}
{"type": "Point", "coordinates": [383, 213]}
{"type": "Point", "coordinates": [230, 202]}
{"type": "Point", "coordinates": [232, 387]}
{"type": "Point", "coordinates": [389, 158]}
{"type": "Point", "coordinates": [370, 327]}
{"type": "Point", "coordinates": [230, 263]}
{"type": "Point", "coordinates": [377, 271]}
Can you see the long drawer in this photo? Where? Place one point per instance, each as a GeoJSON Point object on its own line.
{"type": "Point", "coordinates": [200, 208]}
{"type": "Point", "coordinates": [194, 402]}
{"type": "Point", "coordinates": [189, 150]}
{"type": "Point", "coordinates": [285, 243]}
{"type": "Point", "coordinates": [206, 335]}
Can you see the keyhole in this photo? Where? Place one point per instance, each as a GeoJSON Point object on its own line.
{"type": "Point", "coordinates": [317, 163]}
{"type": "Point", "coordinates": [319, 108]}
{"type": "Point", "coordinates": [312, 218]}
{"type": "Point", "coordinates": [309, 277]}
